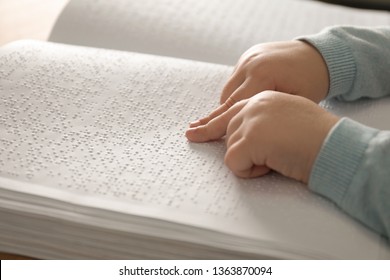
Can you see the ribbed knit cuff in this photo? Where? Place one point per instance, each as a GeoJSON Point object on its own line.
{"type": "Point", "coordinates": [338, 57]}
{"type": "Point", "coordinates": [339, 158]}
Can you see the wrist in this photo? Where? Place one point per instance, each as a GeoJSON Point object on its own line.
{"type": "Point", "coordinates": [323, 127]}
{"type": "Point", "coordinates": [316, 72]}
{"type": "Point", "coordinates": [338, 58]}
{"type": "Point", "coordinates": [339, 158]}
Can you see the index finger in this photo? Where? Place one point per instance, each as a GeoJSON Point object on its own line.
{"type": "Point", "coordinates": [215, 128]}
{"type": "Point", "coordinates": [246, 90]}
{"type": "Point", "coordinates": [219, 111]}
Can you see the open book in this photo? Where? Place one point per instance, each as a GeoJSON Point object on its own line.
{"type": "Point", "coordinates": [93, 158]}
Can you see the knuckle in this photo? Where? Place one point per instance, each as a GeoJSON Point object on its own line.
{"type": "Point", "coordinates": [208, 131]}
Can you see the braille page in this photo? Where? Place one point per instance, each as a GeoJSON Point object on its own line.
{"type": "Point", "coordinates": [208, 30]}
{"type": "Point", "coordinates": [97, 137]}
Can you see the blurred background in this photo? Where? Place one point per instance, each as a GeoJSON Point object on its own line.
{"type": "Point", "coordinates": [33, 19]}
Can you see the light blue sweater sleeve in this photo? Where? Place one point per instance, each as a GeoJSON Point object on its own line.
{"type": "Point", "coordinates": [353, 166]}
{"type": "Point", "coordinates": [358, 60]}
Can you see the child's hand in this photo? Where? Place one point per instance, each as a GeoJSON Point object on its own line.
{"type": "Point", "coordinates": [293, 67]}
{"type": "Point", "coordinates": [271, 130]}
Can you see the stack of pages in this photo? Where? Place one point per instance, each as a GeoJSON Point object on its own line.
{"type": "Point", "coordinates": [93, 158]}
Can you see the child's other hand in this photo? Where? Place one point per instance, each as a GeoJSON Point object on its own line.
{"type": "Point", "coordinates": [292, 67]}
{"type": "Point", "coordinates": [271, 130]}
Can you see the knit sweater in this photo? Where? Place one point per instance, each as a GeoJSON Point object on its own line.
{"type": "Point", "coordinates": [353, 166]}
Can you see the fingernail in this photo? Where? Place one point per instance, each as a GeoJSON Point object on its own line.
{"type": "Point", "coordinates": [195, 123]}
{"type": "Point", "coordinates": [188, 133]}
{"type": "Point", "coordinates": [191, 129]}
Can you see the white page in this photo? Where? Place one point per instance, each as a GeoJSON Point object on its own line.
{"type": "Point", "coordinates": [208, 30]}
{"type": "Point", "coordinates": [105, 130]}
